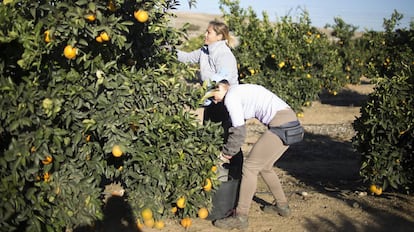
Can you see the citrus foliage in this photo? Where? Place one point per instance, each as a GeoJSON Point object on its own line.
{"type": "Point", "coordinates": [385, 127]}
{"type": "Point", "coordinates": [390, 51]}
{"type": "Point", "coordinates": [351, 49]}
{"type": "Point", "coordinates": [64, 109]}
{"type": "Point", "coordinates": [385, 134]}
{"type": "Point", "coordinates": [292, 59]}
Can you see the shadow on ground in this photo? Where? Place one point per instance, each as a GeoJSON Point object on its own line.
{"type": "Point", "coordinates": [118, 217]}
{"type": "Point", "coordinates": [345, 97]}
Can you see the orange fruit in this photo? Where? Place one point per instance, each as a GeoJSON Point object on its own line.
{"type": "Point", "coordinates": [374, 189]}
{"type": "Point", "coordinates": [146, 213]}
{"type": "Point", "coordinates": [141, 16]}
{"type": "Point", "coordinates": [104, 36]}
{"type": "Point", "coordinates": [174, 209]}
{"type": "Point", "coordinates": [99, 39]}
{"type": "Point", "coordinates": [70, 52]}
{"type": "Point", "coordinates": [379, 191]}
{"type": "Point", "coordinates": [140, 226]}
{"type": "Point", "coordinates": [214, 168]}
{"type": "Point", "coordinates": [159, 224]}
{"type": "Point", "coordinates": [48, 160]}
{"type": "Point", "coordinates": [90, 17]}
{"type": "Point", "coordinates": [116, 151]}
{"type": "Point", "coordinates": [181, 202]}
{"type": "Point", "coordinates": [208, 185]}
{"type": "Point", "coordinates": [46, 176]}
{"type": "Point", "coordinates": [47, 36]}
{"type": "Point", "coordinates": [186, 222]}
{"type": "Point", "coordinates": [149, 222]}
{"type": "Point", "coordinates": [202, 213]}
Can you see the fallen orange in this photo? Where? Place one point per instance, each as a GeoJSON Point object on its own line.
{"type": "Point", "coordinates": [186, 222]}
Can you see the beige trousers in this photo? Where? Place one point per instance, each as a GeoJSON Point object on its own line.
{"type": "Point", "coordinates": [265, 152]}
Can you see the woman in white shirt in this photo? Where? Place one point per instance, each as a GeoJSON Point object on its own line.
{"type": "Point", "coordinates": [246, 101]}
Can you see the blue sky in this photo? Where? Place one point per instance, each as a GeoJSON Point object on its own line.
{"type": "Point", "coordinates": [365, 14]}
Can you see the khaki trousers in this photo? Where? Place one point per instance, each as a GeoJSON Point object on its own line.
{"type": "Point", "coordinates": [265, 152]}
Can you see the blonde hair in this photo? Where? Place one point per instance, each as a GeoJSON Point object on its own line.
{"type": "Point", "coordinates": [222, 29]}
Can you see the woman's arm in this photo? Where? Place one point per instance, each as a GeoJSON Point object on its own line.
{"type": "Point", "coordinates": [235, 140]}
{"type": "Point", "coordinates": [237, 131]}
{"type": "Point", "coordinates": [189, 57]}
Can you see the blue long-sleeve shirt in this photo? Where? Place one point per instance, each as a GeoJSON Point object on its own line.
{"type": "Point", "coordinates": [217, 62]}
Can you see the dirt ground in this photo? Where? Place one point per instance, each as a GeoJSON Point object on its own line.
{"type": "Point", "coordinates": [326, 167]}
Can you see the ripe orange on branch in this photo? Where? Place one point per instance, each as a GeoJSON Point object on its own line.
{"type": "Point", "coordinates": [48, 160]}
{"type": "Point", "coordinates": [70, 52]}
{"type": "Point", "coordinates": [104, 36]}
{"type": "Point", "coordinates": [47, 36]}
{"type": "Point", "coordinates": [208, 185]}
{"type": "Point", "coordinates": [90, 17]}
{"type": "Point", "coordinates": [181, 202]}
{"type": "Point", "coordinates": [141, 16]}
{"type": "Point", "coordinates": [202, 213]}
{"type": "Point", "coordinates": [146, 214]}
{"type": "Point", "coordinates": [117, 151]}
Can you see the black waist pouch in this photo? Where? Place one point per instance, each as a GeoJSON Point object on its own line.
{"type": "Point", "coordinates": [290, 132]}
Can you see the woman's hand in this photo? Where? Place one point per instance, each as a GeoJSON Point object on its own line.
{"type": "Point", "coordinates": [225, 158]}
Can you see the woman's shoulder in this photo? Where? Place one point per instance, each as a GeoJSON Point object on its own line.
{"type": "Point", "coordinates": [218, 47]}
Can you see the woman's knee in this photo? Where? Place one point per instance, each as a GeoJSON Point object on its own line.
{"type": "Point", "coordinates": [252, 168]}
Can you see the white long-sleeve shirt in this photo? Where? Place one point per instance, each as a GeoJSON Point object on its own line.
{"type": "Point", "coordinates": [247, 101]}
{"type": "Point", "coordinates": [217, 62]}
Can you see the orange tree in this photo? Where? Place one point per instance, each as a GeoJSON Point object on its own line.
{"type": "Point", "coordinates": [385, 128]}
{"type": "Point", "coordinates": [351, 48]}
{"type": "Point", "coordinates": [87, 98]}
{"type": "Point", "coordinates": [291, 58]}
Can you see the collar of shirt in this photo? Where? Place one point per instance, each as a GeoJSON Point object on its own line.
{"type": "Point", "coordinates": [215, 46]}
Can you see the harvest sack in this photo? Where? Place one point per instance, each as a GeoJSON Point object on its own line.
{"type": "Point", "coordinates": [224, 199]}
{"type": "Point", "coordinates": [290, 132]}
